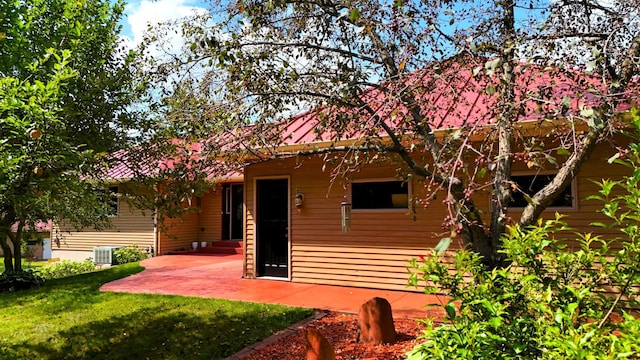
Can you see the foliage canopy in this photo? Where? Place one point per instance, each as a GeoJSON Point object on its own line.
{"type": "Point", "coordinates": [433, 85]}
{"type": "Point", "coordinates": [67, 90]}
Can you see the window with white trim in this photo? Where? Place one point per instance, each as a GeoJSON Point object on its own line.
{"type": "Point", "coordinates": [379, 194]}
{"type": "Point", "coordinates": [532, 183]}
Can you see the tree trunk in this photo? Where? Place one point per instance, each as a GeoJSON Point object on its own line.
{"type": "Point", "coordinates": [501, 196]}
{"type": "Point", "coordinates": [482, 243]}
{"type": "Point", "coordinates": [6, 249]}
{"type": "Point", "coordinates": [15, 238]}
{"type": "Point", "coordinates": [474, 233]}
{"type": "Point", "coordinates": [17, 253]}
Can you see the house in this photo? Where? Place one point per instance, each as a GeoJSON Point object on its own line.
{"type": "Point", "coordinates": [294, 225]}
{"type": "Point", "coordinates": [38, 241]}
{"type": "Point", "coordinates": [300, 222]}
{"type": "Point", "coordinates": [214, 216]}
{"type": "Point", "coordinates": [308, 224]}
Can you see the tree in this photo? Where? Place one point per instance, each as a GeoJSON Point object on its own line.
{"type": "Point", "coordinates": [398, 71]}
{"type": "Point", "coordinates": [67, 94]}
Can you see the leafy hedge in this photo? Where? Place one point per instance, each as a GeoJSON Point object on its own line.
{"type": "Point", "coordinates": [67, 268]}
{"type": "Point", "coordinates": [19, 280]}
{"type": "Point", "coordinates": [128, 254]}
{"type": "Point", "coordinates": [552, 301]}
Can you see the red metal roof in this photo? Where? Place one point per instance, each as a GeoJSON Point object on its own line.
{"type": "Point", "coordinates": [450, 96]}
{"type": "Point", "coordinates": [127, 164]}
{"type": "Point", "coordinates": [453, 98]}
{"type": "Point", "coordinates": [40, 226]}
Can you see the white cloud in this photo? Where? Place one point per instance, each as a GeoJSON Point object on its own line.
{"type": "Point", "coordinates": [141, 15]}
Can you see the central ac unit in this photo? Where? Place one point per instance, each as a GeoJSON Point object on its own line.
{"type": "Point", "coordinates": [103, 255]}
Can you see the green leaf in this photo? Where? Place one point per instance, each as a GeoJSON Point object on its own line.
{"type": "Point", "coordinates": [599, 224]}
{"type": "Point", "coordinates": [563, 152]}
{"type": "Point", "coordinates": [443, 245]}
{"type": "Point", "coordinates": [552, 160]}
{"type": "Point", "coordinates": [493, 64]}
{"type": "Point", "coordinates": [482, 173]}
{"type": "Point", "coordinates": [587, 112]}
{"type": "Point", "coordinates": [450, 308]}
{"type": "Point", "coordinates": [612, 159]}
{"type": "Point", "coordinates": [354, 14]}
{"type": "Point", "coordinates": [495, 322]}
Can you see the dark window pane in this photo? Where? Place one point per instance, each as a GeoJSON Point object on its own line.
{"type": "Point", "coordinates": [380, 195]}
{"type": "Point", "coordinates": [531, 184]}
{"type": "Point", "coordinates": [113, 201]}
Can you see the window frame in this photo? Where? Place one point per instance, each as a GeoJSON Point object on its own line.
{"type": "Point", "coordinates": [573, 185]}
{"type": "Point", "coordinates": [382, 210]}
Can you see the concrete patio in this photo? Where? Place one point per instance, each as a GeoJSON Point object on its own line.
{"type": "Point", "coordinates": [220, 276]}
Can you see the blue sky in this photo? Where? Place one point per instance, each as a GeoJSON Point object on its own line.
{"type": "Point", "coordinates": [139, 13]}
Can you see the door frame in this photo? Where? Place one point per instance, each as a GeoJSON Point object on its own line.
{"type": "Point", "coordinates": [227, 209]}
{"type": "Point", "coordinates": [256, 221]}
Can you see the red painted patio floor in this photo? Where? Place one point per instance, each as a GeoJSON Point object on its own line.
{"type": "Point", "coordinates": [219, 276]}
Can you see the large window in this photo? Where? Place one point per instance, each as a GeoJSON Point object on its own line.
{"type": "Point", "coordinates": [531, 184]}
{"type": "Point", "coordinates": [380, 194]}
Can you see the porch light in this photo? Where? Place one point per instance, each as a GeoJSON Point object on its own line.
{"type": "Point", "coordinates": [298, 200]}
{"type": "Point", "coordinates": [346, 216]}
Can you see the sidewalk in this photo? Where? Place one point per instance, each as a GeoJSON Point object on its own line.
{"type": "Point", "coordinates": [219, 276]}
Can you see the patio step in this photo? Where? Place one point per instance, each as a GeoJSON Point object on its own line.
{"type": "Point", "coordinates": [223, 247]}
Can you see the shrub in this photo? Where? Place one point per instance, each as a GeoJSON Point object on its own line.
{"type": "Point", "coordinates": [67, 268]}
{"type": "Point", "coordinates": [131, 253]}
{"type": "Point", "coordinates": [18, 280]}
{"type": "Point", "coordinates": [547, 303]}
{"type": "Point", "coordinates": [550, 301]}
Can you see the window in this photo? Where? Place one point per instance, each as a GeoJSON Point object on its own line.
{"type": "Point", "coordinates": [531, 184]}
{"type": "Point", "coordinates": [112, 201]}
{"type": "Point", "coordinates": [380, 194]}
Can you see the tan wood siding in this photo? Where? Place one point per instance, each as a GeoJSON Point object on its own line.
{"type": "Point", "coordinates": [178, 233]}
{"type": "Point", "coordinates": [210, 217]}
{"type": "Point", "coordinates": [321, 253]}
{"type": "Point", "coordinates": [376, 251]}
{"type": "Point", "coordinates": [131, 226]}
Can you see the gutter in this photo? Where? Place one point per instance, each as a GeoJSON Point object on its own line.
{"type": "Point", "coordinates": [155, 233]}
{"type": "Point", "coordinates": [527, 127]}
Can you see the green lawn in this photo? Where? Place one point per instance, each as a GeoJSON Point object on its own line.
{"type": "Point", "coordinates": [25, 264]}
{"type": "Point", "coordinates": [70, 319]}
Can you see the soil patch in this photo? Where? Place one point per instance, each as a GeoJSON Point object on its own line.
{"type": "Point", "coordinates": [341, 330]}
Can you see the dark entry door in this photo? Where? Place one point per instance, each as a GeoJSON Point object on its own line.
{"type": "Point", "coordinates": [272, 232]}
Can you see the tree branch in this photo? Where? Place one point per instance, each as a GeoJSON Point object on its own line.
{"type": "Point", "coordinates": [312, 46]}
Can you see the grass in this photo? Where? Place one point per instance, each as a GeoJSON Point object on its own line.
{"type": "Point", "coordinates": [70, 318]}
{"type": "Point", "coordinates": [25, 264]}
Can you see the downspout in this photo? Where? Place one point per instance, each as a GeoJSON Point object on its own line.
{"type": "Point", "coordinates": [156, 250]}
{"type": "Point", "coordinates": [244, 224]}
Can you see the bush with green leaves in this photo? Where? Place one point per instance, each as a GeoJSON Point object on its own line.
{"type": "Point", "coordinates": [549, 302]}
{"type": "Point", "coordinates": [67, 268]}
{"type": "Point", "coordinates": [128, 254]}
{"type": "Point", "coordinates": [18, 280]}
{"type": "Point", "coordinates": [557, 298]}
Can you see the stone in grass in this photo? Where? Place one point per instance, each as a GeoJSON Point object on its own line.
{"type": "Point", "coordinates": [318, 347]}
{"type": "Point", "coordinates": [376, 322]}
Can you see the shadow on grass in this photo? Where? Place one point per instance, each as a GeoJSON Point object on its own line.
{"type": "Point", "coordinates": [161, 332]}
{"type": "Point", "coordinates": [71, 293]}
{"type": "Point", "coordinates": [70, 318]}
